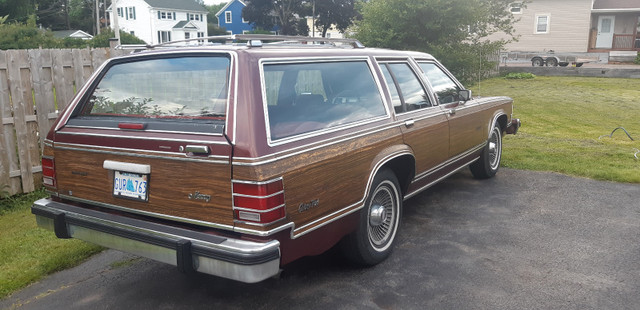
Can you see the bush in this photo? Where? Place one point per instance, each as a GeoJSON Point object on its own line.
{"type": "Point", "coordinates": [102, 40]}
{"type": "Point", "coordinates": [21, 36]}
{"type": "Point", "coordinates": [637, 61]}
{"type": "Point", "coordinates": [520, 76]}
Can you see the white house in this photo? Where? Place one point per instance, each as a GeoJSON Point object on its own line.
{"type": "Point", "coordinates": [158, 21]}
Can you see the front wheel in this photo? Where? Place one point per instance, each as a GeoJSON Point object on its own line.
{"type": "Point", "coordinates": [489, 162]}
{"type": "Point", "coordinates": [373, 240]}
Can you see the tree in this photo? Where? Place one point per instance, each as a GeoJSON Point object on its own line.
{"type": "Point", "coordinates": [213, 9]}
{"type": "Point", "coordinates": [16, 10]}
{"type": "Point", "coordinates": [284, 14]}
{"type": "Point", "coordinates": [334, 12]}
{"type": "Point", "coordinates": [454, 31]}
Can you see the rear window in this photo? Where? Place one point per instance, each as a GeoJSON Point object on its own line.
{"type": "Point", "coordinates": [307, 97]}
{"type": "Point", "coordinates": [187, 94]}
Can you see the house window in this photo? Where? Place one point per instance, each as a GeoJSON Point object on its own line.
{"type": "Point", "coordinates": [120, 14]}
{"type": "Point", "coordinates": [515, 8]}
{"type": "Point", "coordinates": [166, 15]}
{"type": "Point", "coordinates": [542, 23]}
{"type": "Point", "coordinates": [197, 17]}
{"type": "Point", "coordinates": [133, 33]}
{"type": "Point", "coordinates": [227, 17]}
{"type": "Point", "coordinates": [187, 35]}
{"type": "Point", "coordinates": [164, 36]}
{"type": "Point", "coordinates": [132, 12]}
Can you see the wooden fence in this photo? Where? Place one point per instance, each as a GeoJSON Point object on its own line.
{"type": "Point", "coordinates": [34, 86]}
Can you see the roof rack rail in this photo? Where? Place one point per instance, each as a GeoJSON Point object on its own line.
{"type": "Point", "coordinates": [253, 40]}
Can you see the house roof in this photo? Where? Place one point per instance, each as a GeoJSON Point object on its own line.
{"type": "Point", "coordinates": [228, 4]}
{"type": "Point", "coordinates": [615, 4]}
{"type": "Point", "coordinates": [185, 24]}
{"type": "Point", "coordinates": [186, 5]}
{"type": "Point", "coordinates": [71, 34]}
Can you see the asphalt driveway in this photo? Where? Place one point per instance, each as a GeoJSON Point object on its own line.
{"type": "Point", "coordinates": [523, 240]}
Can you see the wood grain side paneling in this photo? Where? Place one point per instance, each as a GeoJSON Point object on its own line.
{"type": "Point", "coordinates": [336, 176]}
{"type": "Point", "coordinates": [80, 174]}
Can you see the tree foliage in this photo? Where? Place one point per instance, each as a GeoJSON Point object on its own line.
{"type": "Point", "coordinates": [454, 31]}
{"type": "Point", "coordinates": [284, 14]}
{"type": "Point", "coordinates": [334, 12]}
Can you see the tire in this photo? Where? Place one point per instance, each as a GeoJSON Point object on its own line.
{"type": "Point", "coordinates": [552, 62]}
{"type": "Point", "coordinates": [537, 62]}
{"type": "Point", "coordinates": [489, 162]}
{"type": "Point", "coordinates": [372, 242]}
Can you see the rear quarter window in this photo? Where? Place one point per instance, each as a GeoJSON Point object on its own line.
{"type": "Point", "coordinates": [187, 93]}
{"type": "Point", "coordinates": [308, 97]}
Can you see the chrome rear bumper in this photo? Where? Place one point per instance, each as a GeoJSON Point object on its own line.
{"type": "Point", "coordinates": [189, 250]}
{"type": "Point", "coordinates": [512, 128]}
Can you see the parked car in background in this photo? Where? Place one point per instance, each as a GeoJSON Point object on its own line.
{"type": "Point", "coordinates": [235, 160]}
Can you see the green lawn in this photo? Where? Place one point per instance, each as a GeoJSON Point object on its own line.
{"type": "Point", "coordinates": [27, 253]}
{"type": "Point", "coordinates": [562, 120]}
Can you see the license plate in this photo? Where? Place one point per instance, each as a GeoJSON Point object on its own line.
{"type": "Point", "coordinates": [130, 185]}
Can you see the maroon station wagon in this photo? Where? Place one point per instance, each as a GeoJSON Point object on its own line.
{"type": "Point", "coordinates": [235, 160]}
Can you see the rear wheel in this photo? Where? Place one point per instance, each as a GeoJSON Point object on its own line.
{"type": "Point", "coordinates": [373, 240]}
{"type": "Point", "coordinates": [489, 163]}
{"type": "Point", "coordinates": [537, 62]}
{"type": "Point", "coordinates": [552, 62]}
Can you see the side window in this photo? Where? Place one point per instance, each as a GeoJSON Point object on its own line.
{"type": "Point", "coordinates": [306, 97]}
{"type": "Point", "coordinates": [395, 96]}
{"type": "Point", "coordinates": [402, 81]}
{"type": "Point", "coordinates": [444, 87]}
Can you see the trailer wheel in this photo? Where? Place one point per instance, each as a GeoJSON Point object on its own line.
{"type": "Point", "coordinates": [537, 62]}
{"type": "Point", "coordinates": [552, 62]}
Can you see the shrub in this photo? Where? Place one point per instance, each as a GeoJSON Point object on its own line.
{"type": "Point", "coordinates": [637, 61]}
{"type": "Point", "coordinates": [520, 76]}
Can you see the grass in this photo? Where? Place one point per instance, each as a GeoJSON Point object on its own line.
{"type": "Point", "coordinates": [28, 253]}
{"type": "Point", "coordinates": [562, 120]}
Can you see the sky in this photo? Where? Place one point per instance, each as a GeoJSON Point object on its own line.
{"type": "Point", "coordinates": [210, 2]}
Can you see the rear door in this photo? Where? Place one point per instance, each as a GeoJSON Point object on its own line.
{"type": "Point", "coordinates": [149, 136]}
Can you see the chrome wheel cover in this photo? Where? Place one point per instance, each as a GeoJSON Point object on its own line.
{"type": "Point", "coordinates": [495, 148]}
{"type": "Point", "coordinates": [383, 218]}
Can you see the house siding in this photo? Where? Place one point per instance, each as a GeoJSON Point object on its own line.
{"type": "Point", "coordinates": [237, 26]}
{"type": "Point", "coordinates": [569, 24]}
{"type": "Point", "coordinates": [146, 25]}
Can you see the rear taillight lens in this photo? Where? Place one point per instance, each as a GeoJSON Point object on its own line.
{"type": "Point", "coordinates": [48, 171]}
{"type": "Point", "coordinates": [258, 202]}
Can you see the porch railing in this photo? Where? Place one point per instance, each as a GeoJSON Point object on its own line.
{"type": "Point", "coordinates": [623, 41]}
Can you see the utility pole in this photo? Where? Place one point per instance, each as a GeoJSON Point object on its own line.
{"type": "Point", "coordinates": [114, 13]}
{"type": "Point", "coordinates": [97, 17]}
{"type": "Point", "coordinates": [313, 19]}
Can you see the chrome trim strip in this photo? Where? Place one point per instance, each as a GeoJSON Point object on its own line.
{"type": "Point", "coordinates": [256, 224]}
{"type": "Point", "coordinates": [147, 130]}
{"type": "Point", "coordinates": [258, 197]}
{"type": "Point", "coordinates": [127, 167]}
{"type": "Point", "coordinates": [89, 147]}
{"type": "Point", "coordinates": [315, 133]}
{"type": "Point", "coordinates": [447, 162]}
{"type": "Point", "coordinates": [256, 182]}
{"type": "Point", "coordinates": [140, 138]}
{"type": "Point", "coordinates": [258, 211]}
{"type": "Point", "coordinates": [261, 233]}
{"type": "Point", "coordinates": [439, 179]}
{"type": "Point", "coordinates": [147, 213]}
{"type": "Point", "coordinates": [144, 155]}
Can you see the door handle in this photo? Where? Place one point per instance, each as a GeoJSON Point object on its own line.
{"type": "Point", "coordinates": [452, 112]}
{"type": "Point", "coordinates": [409, 123]}
{"type": "Point", "coordinates": [197, 149]}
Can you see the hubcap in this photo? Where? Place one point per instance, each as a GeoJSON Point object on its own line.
{"type": "Point", "coordinates": [378, 215]}
{"type": "Point", "coordinates": [495, 148]}
{"type": "Point", "coordinates": [382, 217]}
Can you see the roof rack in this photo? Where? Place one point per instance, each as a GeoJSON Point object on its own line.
{"type": "Point", "coordinates": [253, 40]}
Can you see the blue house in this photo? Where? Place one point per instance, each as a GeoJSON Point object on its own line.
{"type": "Point", "coordinates": [230, 17]}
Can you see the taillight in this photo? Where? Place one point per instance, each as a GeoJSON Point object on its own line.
{"type": "Point", "coordinates": [258, 202]}
{"type": "Point", "coordinates": [48, 171]}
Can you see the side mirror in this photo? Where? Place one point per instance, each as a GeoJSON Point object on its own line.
{"type": "Point", "coordinates": [464, 94]}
